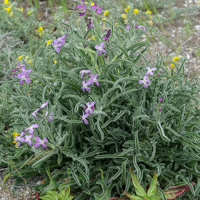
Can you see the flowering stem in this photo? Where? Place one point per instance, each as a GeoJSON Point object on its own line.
{"type": "Point", "coordinates": [88, 50]}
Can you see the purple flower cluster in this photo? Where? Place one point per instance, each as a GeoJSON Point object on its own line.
{"type": "Point", "coordinates": [41, 107]}
{"type": "Point", "coordinates": [82, 9]}
{"type": "Point", "coordinates": [93, 79]}
{"type": "Point", "coordinates": [89, 23]}
{"type": "Point", "coordinates": [88, 110]}
{"type": "Point", "coordinates": [23, 73]}
{"type": "Point", "coordinates": [145, 78]}
{"type": "Point", "coordinates": [59, 42]}
{"type": "Point", "coordinates": [28, 138]}
{"type": "Point", "coordinates": [97, 8]}
{"type": "Point", "coordinates": [105, 37]}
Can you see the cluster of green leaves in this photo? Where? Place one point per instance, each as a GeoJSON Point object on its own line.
{"type": "Point", "coordinates": [126, 128]}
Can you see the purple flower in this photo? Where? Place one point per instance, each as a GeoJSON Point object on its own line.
{"type": "Point", "coordinates": [159, 109]}
{"type": "Point", "coordinates": [84, 117]}
{"type": "Point", "coordinates": [150, 71]}
{"type": "Point", "coordinates": [50, 117]}
{"type": "Point", "coordinates": [100, 48]}
{"type": "Point", "coordinates": [19, 66]}
{"type": "Point", "coordinates": [97, 7]}
{"type": "Point", "coordinates": [31, 128]}
{"type": "Point", "coordinates": [28, 139]}
{"type": "Point", "coordinates": [85, 85]}
{"type": "Point", "coordinates": [105, 37]}
{"type": "Point", "coordinates": [57, 47]}
{"type": "Point", "coordinates": [40, 142]}
{"type": "Point", "coordinates": [94, 79]}
{"type": "Point", "coordinates": [127, 27]}
{"type": "Point", "coordinates": [140, 27]}
{"type": "Point", "coordinates": [24, 70]}
{"type": "Point", "coordinates": [19, 138]}
{"type": "Point", "coordinates": [161, 99]}
{"type": "Point", "coordinates": [157, 74]}
{"type": "Point", "coordinates": [82, 9]}
{"type": "Point", "coordinates": [44, 104]}
{"type": "Point", "coordinates": [90, 107]}
{"type": "Point", "coordinates": [24, 77]}
{"type": "Point", "coordinates": [34, 113]}
{"type": "Point", "coordinates": [144, 81]}
{"type": "Point", "coordinates": [82, 14]}
{"type": "Point", "coordinates": [83, 72]}
{"type": "Point", "coordinates": [89, 24]}
{"type": "Point", "coordinates": [60, 40]}
{"type": "Point", "coordinates": [81, 6]}
{"type": "Point", "coordinates": [13, 75]}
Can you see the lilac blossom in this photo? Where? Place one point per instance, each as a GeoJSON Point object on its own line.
{"type": "Point", "coordinates": [150, 70]}
{"type": "Point", "coordinates": [100, 48]}
{"type": "Point", "coordinates": [161, 99]}
{"type": "Point", "coordinates": [144, 81]}
{"type": "Point", "coordinates": [97, 7]}
{"type": "Point", "coordinates": [84, 117]}
{"type": "Point", "coordinates": [24, 70]}
{"type": "Point", "coordinates": [94, 79]}
{"type": "Point", "coordinates": [85, 85]}
{"type": "Point", "coordinates": [40, 142]}
{"type": "Point", "coordinates": [34, 113]}
{"type": "Point", "coordinates": [127, 27]}
{"type": "Point", "coordinates": [90, 107]}
{"type": "Point", "coordinates": [28, 139]}
{"type": "Point", "coordinates": [44, 104]}
{"type": "Point", "coordinates": [105, 37]}
{"type": "Point", "coordinates": [140, 27]}
{"type": "Point", "coordinates": [50, 117]}
{"type": "Point", "coordinates": [31, 128]}
{"type": "Point", "coordinates": [19, 138]}
{"type": "Point", "coordinates": [60, 40]}
{"type": "Point", "coordinates": [24, 77]}
{"type": "Point", "coordinates": [57, 47]}
{"type": "Point", "coordinates": [84, 72]}
{"type": "Point", "coordinates": [81, 6]}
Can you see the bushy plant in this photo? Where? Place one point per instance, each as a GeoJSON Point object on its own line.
{"type": "Point", "coordinates": [102, 108]}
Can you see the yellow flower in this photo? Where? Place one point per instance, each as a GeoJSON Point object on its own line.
{"type": "Point", "coordinates": [126, 21]}
{"type": "Point", "coordinates": [151, 23]}
{"type": "Point", "coordinates": [20, 57]}
{"type": "Point", "coordinates": [30, 61]}
{"type": "Point", "coordinates": [148, 12]}
{"type": "Point", "coordinates": [124, 16]}
{"type": "Point", "coordinates": [40, 31]}
{"type": "Point", "coordinates": [135, 11]}
{"type": "Point", "coordinates": [151, 17]}
{"type": "Point", "coordinates": [86, 2]}
{"type": "Point", "coordinates": [49, 42]}
{"type": "Point", "coordinates": [29, 12]}
{"type": "Point", "coordinates": [55, 61]}
{"type": "Point", "coordinates": [126, 10]}
{"type": "Point", "coordinates": [92, 4]}
{"type": "Point", "coordinates": [93, 38]}
{"type": "Point", "coordinates": [11, 14]}
{"type": "Point", "coordinates": [172, 65]}
{"type": "Point", "coordinates": [8, 9]}
{"type": "Point", "coordinates": [128, 7]}
{"type": "Point", "coordinates": [198, 2]}
{"type": "Point", "coordinates": [116, 24]}
{"type": "Point", "coordinates": [15, 134]}
{"type": "Point", "coordinates": [106, 12]}
{"type": "Point", "coordinates": [26, 58]}
{"type": "Point", "coordinates": [6, 2]}
{"type": "Point", "coordinates": [176, 58]}
{"type": "Point", "coordinates": [20, 9]}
